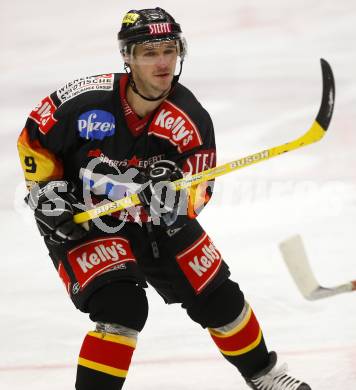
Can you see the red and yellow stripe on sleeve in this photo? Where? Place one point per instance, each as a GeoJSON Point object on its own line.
{"type": "Point", "coordinates": [242, 338]}
{"type": "Point", "coordinates": [107, 353]}
{"type": "Point", "coordinates": [38, 163]}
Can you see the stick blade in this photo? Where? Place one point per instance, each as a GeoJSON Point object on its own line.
{"type": "Point", "coordinates": [295, 257]}
{"type": "Point", "coordinates": [328, 98]}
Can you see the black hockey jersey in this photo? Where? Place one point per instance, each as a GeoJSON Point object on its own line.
{"type": "Point", "coordinates": [81, 133]}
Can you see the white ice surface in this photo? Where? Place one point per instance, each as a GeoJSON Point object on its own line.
{"type": "Point", "coordinates": [255, 66]}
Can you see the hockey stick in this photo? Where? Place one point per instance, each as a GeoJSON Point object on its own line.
{"type": "Point", "coordinates": [296, 259]}
{"type": "Point", "coordinates": [314, 134]}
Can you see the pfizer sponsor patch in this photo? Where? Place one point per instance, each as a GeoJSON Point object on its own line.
{"type": "Point", "coordinates": [96, 124]}
{"type": "Point", "coordinates": [96, 257]}
{"type": "Point", "coordinates": [200, 262]}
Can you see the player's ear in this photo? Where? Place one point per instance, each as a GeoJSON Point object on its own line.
{"type": "Point", "coordinates": [127, 59]}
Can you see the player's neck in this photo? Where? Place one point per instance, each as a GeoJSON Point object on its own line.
{"type": "Point", "coordinates": [141, 106]}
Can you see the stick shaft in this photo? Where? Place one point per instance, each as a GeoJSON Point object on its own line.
{"type": "Point", "coordinates": [314, 134]}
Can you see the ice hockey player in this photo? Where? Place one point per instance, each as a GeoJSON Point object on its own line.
{"type": "Point", "coordinates": [110, 134]}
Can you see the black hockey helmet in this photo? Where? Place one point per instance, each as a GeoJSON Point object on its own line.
{"type": "Point", "coordinates": [149, 25]}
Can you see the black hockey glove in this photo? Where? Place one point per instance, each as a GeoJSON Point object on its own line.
{"type": "Point", "coordinates": [53, 204]}
{"type": "Point", "coordinates": [161, 202]}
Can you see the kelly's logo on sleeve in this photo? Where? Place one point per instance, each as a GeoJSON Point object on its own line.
{"type": "Point", "coordinates": [43, 115]}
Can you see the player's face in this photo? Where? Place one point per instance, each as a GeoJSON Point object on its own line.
{"type": "Point", "coordinates": [153, 66]}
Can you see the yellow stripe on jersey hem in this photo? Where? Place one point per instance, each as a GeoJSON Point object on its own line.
{"type": "Point", "coordinates": [246, 349]}
{"type": "Point", "coordinates": [102, 368]}
{"type": "Point", "coordinates": [235, 330]}
{"type": "Point", "coordinates": [114, 338]}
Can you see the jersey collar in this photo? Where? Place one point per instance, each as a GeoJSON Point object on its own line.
{"type": "Point", "coordinates": [133, 121]}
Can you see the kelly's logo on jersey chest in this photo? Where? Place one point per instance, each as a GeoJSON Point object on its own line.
{"type": "Point", "coordinates": [96, 124]}
{"type": "Point", "coordinates": [174, 125]}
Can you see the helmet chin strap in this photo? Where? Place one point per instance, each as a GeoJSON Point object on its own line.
{"type": "Point", "coordinates": [163, 95]}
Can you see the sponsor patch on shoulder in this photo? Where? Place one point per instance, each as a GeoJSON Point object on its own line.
{"type": "Point", "coordinates": [104, 82]}
{"type": "Point", "coordinates": [96, 124]}
{"type": "Point", "coordinates": [174, 125]}
{"type": "Point", "coordinates": [42, 114]}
